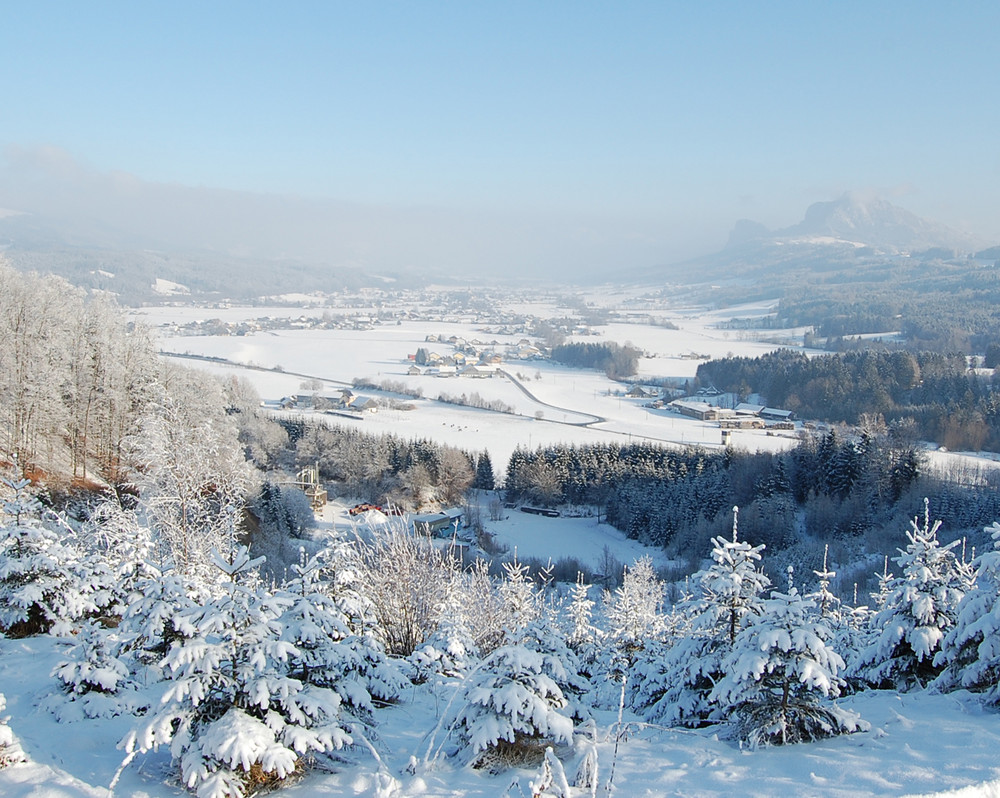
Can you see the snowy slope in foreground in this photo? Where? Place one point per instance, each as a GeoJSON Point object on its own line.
{"type": "Point", "coordinates": [920, 744]}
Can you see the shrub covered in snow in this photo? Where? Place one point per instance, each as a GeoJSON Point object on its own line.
{"type": "Point", "coordinates": [632, 634]}
{"type": "Point", "coordinates": [92, 677]}
{"type": "Point", "coordinates": [518, 700]}
{"type": "Point", "coordinates": [10, 748]}
{"type": "Point", "coordinates": [326, 653]}
{"type": "Point", "coordinates": [147, 629]}
{"type": "Point", "coordinates": [512, 710]}
{"type": "Point", "coordinates": [405, 578]}
{"type": "Point", "coordinates": [450, 650]}
{"type": "Point", "coordinates": [44, 584]}
{"type": "Point", "coordinates": [679, 688]}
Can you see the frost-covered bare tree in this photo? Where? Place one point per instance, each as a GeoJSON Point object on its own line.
{"type": "Point", "coordinates": [72, 373]}
{"type": "Point", "coordinates": [190, 468]}
{"type": "Point", "coordinates": [262, 437]}
{"type": "Point", "coordinates": [33, 359]}
{"type": "Point", "coordinates": [111, 372]}
{"type": "Point", "coordinates": [407, 581]}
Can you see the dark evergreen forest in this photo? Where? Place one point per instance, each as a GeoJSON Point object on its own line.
{"type": "Point", "coordinates": [855, 492]}
{"type": "Point", "coordinates": [618, 362]}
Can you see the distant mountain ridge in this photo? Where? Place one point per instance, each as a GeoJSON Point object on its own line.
{"type": "Point", "coordinates": [861, 222]}
{"type": "Point", "coordinates": [851, 233]}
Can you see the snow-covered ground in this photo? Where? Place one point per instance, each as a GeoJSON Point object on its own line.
{"type": "Point", "coordinates": [919, 744]}
{"type": "Point", "coordinates": [551, 403]}
{"type": "Point", "coordinates": [554, 404]}
{"type": "Point", "coordinates": [529, 536]}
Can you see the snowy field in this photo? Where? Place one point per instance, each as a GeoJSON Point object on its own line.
{"type": "Point", "coordinates": [919, 744]}
{"type": "Point", "coordinates": [529, 536]}
{"type": "Point", "coordinates": [551, 403]}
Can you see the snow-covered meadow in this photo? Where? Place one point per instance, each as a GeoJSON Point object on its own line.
{"type": "Point", "coordinates": [551, 403]}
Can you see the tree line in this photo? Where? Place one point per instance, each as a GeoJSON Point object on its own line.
{"type": "Point", "coordinates": [615, 360]}
{"type": "Point", "coordinates": [937, 305]}
{"type": "Point", "coordinates": [388, 469]}
{"type": "Point", "coordinates": [923, 395]}
{"type": "Point", "coordinates": [855, 492]}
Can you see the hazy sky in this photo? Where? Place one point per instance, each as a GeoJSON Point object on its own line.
{"type": "Point", "coordinates": [561, 133]}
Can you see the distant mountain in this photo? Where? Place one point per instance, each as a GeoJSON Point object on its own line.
{"type": "Point", "coordinates": [849, 234]}
{"type": "Point", "coordinates": [861, 222]}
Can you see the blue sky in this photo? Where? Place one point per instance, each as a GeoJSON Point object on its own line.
{"type": "Point", "coordinates": [655, 125]}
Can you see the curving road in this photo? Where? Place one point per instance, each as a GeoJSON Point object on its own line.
{"type": "Point", "coordinates": [593, 419]}
{"type": "Point", "coordinates": [520, 386]}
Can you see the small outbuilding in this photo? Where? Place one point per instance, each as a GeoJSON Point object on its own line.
{"type": "Point", "coordinates": [439, 524]}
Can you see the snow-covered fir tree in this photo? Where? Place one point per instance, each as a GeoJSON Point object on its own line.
{"type": "Point", "coordinates": [92, 678]}
{"type": "Point", "coordinates": [633, 629]}
{"type": "Point", "coordinates": [970, 652]}
{"type": "Point", "coordinates": [780, 674]}
{"type": "Point", "coordinates": [512, 709]}
{"type": "Point", "coordinates": [44, 584]}
{"type": "Point", "coordinates": [885, 579]}
{"type": "Point", "coordinates": [827, 604]}
{"type": "Point", "coordinates": [21, 504]}
{"type": "Point", "coordinates": [521, 601]}
{"type": "Point", "coordinates": [582, 635]}
{"type": "Point", "coordinates": [918, 612]}
{"type": "Point", "coordinates": [515, 703]}
{"type": "Point", "coordinates": [679, 690]}
{"type": "Point", "coordinates": [327, 654]}
{"type": "Point", "coordinates": [233, 717]}
{"type": "Point", "coordinates": [10, 749]}
{"type": "Point", "coordinates": [450, 649]}
{"type": "Point", "coordinates": [632, 612]}
{"type": "Point", "coordinates": [154, 606]}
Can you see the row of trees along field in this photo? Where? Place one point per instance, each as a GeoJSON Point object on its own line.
{"type": "Point", "coordinates": [922, 395]}
{"type": "Point", "coordinates": [247, 681]}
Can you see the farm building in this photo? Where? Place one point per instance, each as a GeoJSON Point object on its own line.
{"type": "Point", "coordinates": [702, 411]}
